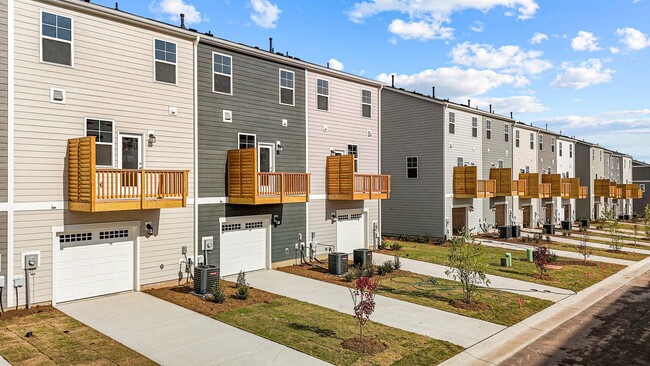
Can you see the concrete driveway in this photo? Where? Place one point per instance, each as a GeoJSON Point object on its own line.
{"type": "Point", "coordinates": [172, 335]}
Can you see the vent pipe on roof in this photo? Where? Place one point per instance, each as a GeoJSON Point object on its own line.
{"type": "Point", "coordinates": [182, 20]}
{"type": "Point", "coordinates": [271, 44]}
{"type": "Point", "coordinates": [547, 126]}
{"type": "Point", "coordinates": [328, 65]}
{"type": "Point", "coordinates": [117, 7]}
{"type": "Point", "coordinates": [510, 115]}
{"type": "Point", "coordinates": [392, 81]}
{"type": "Point", "coordinates": [468, 102]}
{"type": "Point", "coordinates": [490, 108]}
{"type": "Point", "coordinates": [433, 91]}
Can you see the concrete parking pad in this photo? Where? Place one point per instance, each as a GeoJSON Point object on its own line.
{"type": "Point", "coordinates": [171, 335]}
{"type": "Point", "coordinates": [437, 324]}
{"type": "Point", "coordinates": [4, 362]}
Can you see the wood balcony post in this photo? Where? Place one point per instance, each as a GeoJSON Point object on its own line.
{"type": "Point", "coordinates": [282, 187]}
{"type": "Point", "coordinates": [184, 193]}
{"type": "Point", "coordinates": [143, 183]}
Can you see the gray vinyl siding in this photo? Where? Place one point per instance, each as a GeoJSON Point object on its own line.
{"type": "Point", "coordinates": [412, 127]}
{"type": "Point", "coordinates": [3, 100]}
{"type": "Point", "coordinates": [255, 110]}
{"type": "Point", "coordinates": [547, 157]}
{"type": "Point", "coordinates": [641, 175]}
{"type": "Point", "coordinates": [496, 149]}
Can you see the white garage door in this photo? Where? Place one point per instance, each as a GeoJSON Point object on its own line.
{"type": "Point", "coordinates": [93, 263]}
{"type": "Point", "coordinates": [350, 231]}
{"type": "Point", "coordinates": [244, 245]}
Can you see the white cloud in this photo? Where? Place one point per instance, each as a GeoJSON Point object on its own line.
{"type": "Point", "coordinates": [514, 104]}
{"type": "Point", "coordinates": [585, 41]}
{"type": "Point", "coordinates": [585, 74]}
{"type": "Point", "coordinates": [428, 19]}
{"type": "Point", "coordinates": [510, 59]}
{"type": "Point", "coordinates": [173, 8]}
{"type": "Point", "coordinates": [336, 64]}
{"type": "Point", "coordinates": [454, 82]}
{"type": "Point", "coordinates": [477, 27]}
{"type": "Point", "coordinates": [633, 39]}
{"type": "Point", "coordinates": [265, 14]}
{"type": "Point", "coordinates": [615, 50]}
{"type": "Point", "coordinates": [538, 38]}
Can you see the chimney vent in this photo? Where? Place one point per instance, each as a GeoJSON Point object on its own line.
{"type": "Point", "coordinates": [117, 7]}
{"type": "Point", "coordinates": [433, 91]}
{"type": "Point", "coordinates": [510, 115]}
{"type": "Point", "coordinates": [468, 102]}
{"type": "Point", "coordinates": [392, 81]}
{"type": "Point", "coordinates": [490, 108]}
{"type": "Point", "coordinates": [182, 20]}
{"type": "Point", "coordinates": [271, 44]}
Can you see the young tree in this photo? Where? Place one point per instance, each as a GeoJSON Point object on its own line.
{"type": "Point", "coordinates": [467, 264]}
{"type": "Point", "coordinates": [541, 258]}
{"type": "Point", "coordinates": [583, 248]}
{"type": "Point", "coordinates": [363, 297]}
{"type": "Point", "coordinates": [613, 228]}
{"type": "Point", "coordinates": [646, 220]}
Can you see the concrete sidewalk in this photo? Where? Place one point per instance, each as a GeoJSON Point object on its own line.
{"type": "Point", "coordinates": [4, 362]}
{"type": "Point", "coordinates": [568, 240]}
{"type": "Point", "coordinates": [437, 324]}
{"type": "Point", "coordinates": [171, 335]}
{"type": "Point", "coordinates": [496, 282]}
{"type": "Point", "coordinates": [624, 241]}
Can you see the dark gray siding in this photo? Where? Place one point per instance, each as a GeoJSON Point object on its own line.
{"type": "Point", "coordinates": [495, 149]}
{"type": "Point", "coordinates": [412, 127]}
{"type": "Point", "coordinates": [547, 156]}
{"type": "Point", "coordinates": [641, 175]}
{"type": "Point", "coordinates": [256, 110]}
{"type": "Point", "coordinates": [583, 171]}
{"type": "Point", "coordinates": [3, 100]}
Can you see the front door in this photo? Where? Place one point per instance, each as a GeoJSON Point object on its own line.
{"type": "Point", "coordinates": [265, 158]}
{"type": "Point", "coordinates": [526, 216]}
{"type": "Point", "coordinates": [567, 212]}
{"type": "Point", "coordinates": [130, 151]}
{"type": "Point", "coordinates": [549, 213]}
{"type": "Point", "coordinates": [459, 219]}
{"type": "Point", "coordinates": [500, 215]}
{"type": "Point", "coordinates": [596, 211]}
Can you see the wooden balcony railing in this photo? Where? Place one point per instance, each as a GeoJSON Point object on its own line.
{"type": "Point", "coordinates": [545, 190]}
{"type": "Point", "coordinates": [565, 191]}
{"type": "Point", "coordinates": [343, 184]}
{"type": "Point", "coordinates": [505, 186]}
{"type": "Point", "coordinates": [604, 188]}
{"type": "Point", "coordinates": [639, 194]}
{"type": "Point", "coordinates": [584, 192]}
{"type": "Point", "coordinates": [249, 187]}
{"type": "Point", "coordinates": [486, 188]}
{"type": "Point", "coordinates": [94, 190]}
{"type": "Point", "coordinates": [555, 180]}
{"type": "Point", "coordinates": [466, 184]}
{"type": "Point", "coordinates": [519, 187]}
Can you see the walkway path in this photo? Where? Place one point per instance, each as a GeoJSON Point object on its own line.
{"type": "Point", "coordinates": [605, 246]}
{"type": "Point", "coordinates": [437, 324]}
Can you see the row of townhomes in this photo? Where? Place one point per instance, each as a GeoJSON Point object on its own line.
{"type": "Point", "coordinates": [129, 146]}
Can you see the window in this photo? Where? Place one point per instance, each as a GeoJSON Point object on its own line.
{"type": "Point", "coordinates": [617, 164]}
{"type": "Point", "coordinates": [322, 94]}
{"type": "Point", "coordinates": [506, 133]}
{"type": "Point", "coordinates": [366, 103]}
{"type": "Point", "coordinates": [354, 151]}
{"type": "Point", "coordinates": [552, 144]}
{"type": "Point", "coordinates": [221, 73]}
{"type": "Point", "coordinates": [642, 187]}
{"type": "Point", "coordinates": [56, 39]}
{"type": "Point", "coordinates": [541, 142]}
{"type": "Point", "coordinates": [488, 132]}
{"type": "Point", "coordinates": [570, 150]}
{"type": "Point", "coordinates": [246, 141]}
{"type": "Point", "coordinates": [460, 161]}
{"type": "Point", "coordinates": [103, 132]}
{"type": "Point", "coordinates": [412, 167]}
{"type": "Point", "coordinates": [532, 141]}
{"type": "Point", "coordinates": [517, 138]}
{"type": "Point", "coordinates": [287, 87]}
{"type": "Point", "coordinates": [474, 127]}
{"type": "Point", "coordinates": [165, 61]}
{"type": "Point", "coordinates": [560, 146]}
{"type": "Point", "coordinates": [452, 122]}
{"type": "Point", "coordinates": [500, 164]}
{"type": "Point", "coordinates": [601, 156]}
{"type": "Point", "coordinates": [527, 169]}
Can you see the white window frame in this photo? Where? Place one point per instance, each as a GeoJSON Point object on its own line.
{"type": "Point", "coordinates": [280, 87]}
{"type": "Point", "coordinates": [552, 144]}
{"type": "Point", "coordinates": [40, 43]}
{"type": "Point", "coordinates": [570, 150]}
{"type": "Point", "coordinates": [324, 95]}
{"type": "Point", "coordinates": [153, 43]}
{"type": "Point", "coordinates": [103, 143]}
{"type": "Point", "coordinates": [356, 158]}
{"type": "Point", "coordinates": [417, 167]}
{"type": "Point", "coordinates": [220, 73]}
{"type": "Point", "coordinates": [642, 187]}
{"type": "Point", "coordinates": [506, 132]}
{"type": "Point", "coordinates": [451, 121]}
{"type": "Point", "coordinates": [517, 135]}
{"type": "Point", "coordinates": [500, 163]}
{"type": "Point", "coordinates": [460, 161]}
{"type": "Point", "coordinates": [247, 134]}
{"type": "Point", "coordinates": [474, 127]}
{"type": "Point", "coordinates": [364, 103]}
{"type": "Point", "coordinates": [488, 129]}
{"type": "Point", "coordinates": [532, 141]}
{"type": "Point", "coordinates": [559, 148]}
{"type": "Point", "coordinates": [541, 142]}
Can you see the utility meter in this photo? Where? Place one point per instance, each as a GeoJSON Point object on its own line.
{"type": "Point", "coordinates": [31, 261]}
{"type": "Point", "coordinates": [208, 243]}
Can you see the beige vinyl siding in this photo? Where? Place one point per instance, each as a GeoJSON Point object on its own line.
{"type": "Point", "coordinates": [523, 156]}
{"type": "Point", "coordinates": [3, 251]}
{"type": "Point", "coordinates": [495, 149]}
{"type": "Point", "coordinates": [3, 100]}
{"type": "Point", "coordinates": [113, 79]}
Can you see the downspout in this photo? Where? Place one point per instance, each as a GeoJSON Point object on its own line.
{"type": "Point", "coordinates": [196, 148]}
{"type": "Point", "coordinates": [10, 150]}
{"type": "Point", "coordinates": [307, 232]}
{"type": "Point", "coordinates": [379, 203]}
{"type": "Point", "coordinates": [447, 220]}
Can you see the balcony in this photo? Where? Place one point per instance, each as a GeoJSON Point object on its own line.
{"type": "Point", "coordinates": [565, 190]}
{"type": "Point", "coordinates": [605, 188]}
{"type": "Point", "coordinates": [535, 189]}
{"type": "Point", "coordinates": [247, 186]}
{"type": "Point", "coordinates": [583, 192]}
{"type": "Point", "coordinates": [555, 180]}
{"type": "Point", "coordinates": [519, 187]}
{"type": "Point", "coordinates": [629, 191]}
{"type": "Point", "coordinates": [343, 184]}
{"type": "Point", "coordinates": [467, 186]}
{"type": "Point", "coordinates": [639, 194]}
{"type": "Point", "coordinates": [574, 190]}
{"type": "Point", "coordinates": [98, 190]}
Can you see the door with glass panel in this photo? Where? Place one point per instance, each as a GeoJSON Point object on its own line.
{"type": "Point", "coordinates": [268, 182]}
{"type": "Point", "coordinates": [130, 161]}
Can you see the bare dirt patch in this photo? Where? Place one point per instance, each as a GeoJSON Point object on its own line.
{"type": "Point", "coordinates": [473, 306]}
{"type": "Point", "coordinates": [365, 345]}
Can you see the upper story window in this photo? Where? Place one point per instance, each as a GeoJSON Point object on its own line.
{"type": "Point", "coordinates": [601, 156]}
{"type": "Point", "coordinates": [366, 103]}
{"type": "Point", "coordinates": [527, 170]}
{"type": "Point", "coordinates": [541, 142]}
{"type": "Point", "coordinates": [287, 85]}
{"type": "Point", "coordinates": [517, 138]}
{"type": "Point", "coordinates": [617, 164]}
{"type": "Point", "coordinates": [474, 127]}
{"type": "Point", "coordinates": [323, 94]}
{"type": "Point", "coordinates": [246, 141]}
{"type": "Point", "coordinates": [165, 56]}
{"type": "Point", "coordinates": [56, 39]}
{"type": "Point", "coordinates": [103, 130]}
{"type": "Point", "coordinates": [500, 164]}
{"type": "Point", "coordinates": [506, 133]}
{"type": "Point", "coordinates": [488, 132]}
{"type": "Point", "coordinates": [412, 167]}
{"type": "Point", "coordinates": [570, 150]}
{"type": "Point", "coordinates": [460, 161]}
{"type": "Point", "coordinates": [221, 73]}
{"type": "Point", "coordinates": [560, 148]}
{"type": "Point", "coordinates": [354, 151]}
{"type": "Point", "coordinates": [452, 122]}
{"type": "Point", "coordinates": [532, 141]}
{"type": "Point", "coordinates": [552, 144]}
{"type": "Point", "coordinates": [593, 155]}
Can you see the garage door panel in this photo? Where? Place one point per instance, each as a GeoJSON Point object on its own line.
{"type": "Point", "coordinates": [244, 249]}
{"type": "Point", "coordinates": [350, 232]}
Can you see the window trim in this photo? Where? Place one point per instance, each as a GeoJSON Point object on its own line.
{"type": "Point", "coordinates": [500, 164]}
{"type": "Point", "coordinates": [488, 129]}
{"type": "Point", "coordinates": [357, 161]}
{"type": "Point", "coordinates": [280, 87]}
{"type": "Point", "coordinates": [417, 167]}
{"type": "Point", "coordinates": [559, 147]}
{"type": "Point", "coordinates": [532, 141]}
{"type": "Point", "coordinates": [40, 39]}
{"type": "Point", "coordinates": [570, 150]}
{"type": "Point", "coordinates": [460, 159]}
{"type": "Point", "coordinates": [540, 138]}
{"type": "Point", "coordinates": [214, 72]}
{"type": "Point", "coordinates": [364, 103]}
{"type": "Point", "coordinates": [247, 134]}
{"type": "Point", "coordinates": [449, 122]}
{"type": "Point", "coordinates": [153, 50]}
{"type": "Point", "coordinates": [517, 138]}
{"type": "Point", "coordinates": [319, 94]}
{"type": "Point", "coordinates": [552, 144]}
{"type": "Point", "coordinates": [104, 143]}
{"type": "Point", "coordinates": [474, 127]}
{"type": "Point", "coordinates": [506, 132]}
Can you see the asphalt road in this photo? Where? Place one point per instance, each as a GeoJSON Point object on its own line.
{"type": "Point", "coordinates": [615, 331]}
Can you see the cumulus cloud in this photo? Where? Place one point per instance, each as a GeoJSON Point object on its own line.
{"type": "Point", "coordinates": [585, 41]}
{"type": "Point", "coordinates": [429, 19]}
{"type": "Point", "coordinates": [477, 27]}
{"type": "Point", "coordinates": [538, 38]}
{"type": "Point", "coordinates": [633, 39]}
{"type": "Point", "coordinates": [336, 64]}
{"type": "Point", "coordinates": [173, 8]}
{"type": "Point", "coordinates": [585, 74]}
{"type": "Point", "coordinates": [510, 59]}
{"type": "Point", "coordinates": [514, 104]}
{"type": "Point", "coordinates": [455, 82]}
{"type": "Point", "coordinates": [264, 14]}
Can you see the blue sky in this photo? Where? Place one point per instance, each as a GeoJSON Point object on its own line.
{"type": "Point", "coordinates": [580, 66]}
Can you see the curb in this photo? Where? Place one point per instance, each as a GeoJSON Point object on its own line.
{"type": "Point", "coordinates": [503, 345]}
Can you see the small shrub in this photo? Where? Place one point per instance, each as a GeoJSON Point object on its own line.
{"type": "Point", "coordinates": [599, 226]}
{"type": "Point", "coordinates": [218, 295]}
{"type": "Point", "coordinates": [541, 258]}
{"type": "Point", "coordinates": [349, 276]}
{"type": "Point", "coordinates": [242, 292]}
{"type": "Point", "coordinates": [241, 279]}
{"type": "Point", "coordinates": [397, 264]}
{"type": "Point", "coordinates": [396, 247]}
{"type": "Point", "coordinates": [537, 238]}
{"type": "Point", "coordinates": [386, 268]}
{"type": "Point", "coordinates": [368, 270]}
{"type": "Point", "coordinates": [552, 258]}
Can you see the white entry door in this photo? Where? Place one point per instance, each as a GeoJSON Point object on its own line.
{"type": "Point", "coordinates": [93, 263]}
{"type": "Point", "coordinates": [350, 230]}
{"type": "Point", "coordinates": [266, 158]}
{"type": "Point", "coordinates": [244, 244]}
{"type": "Point", "coordinates": [130, 151]}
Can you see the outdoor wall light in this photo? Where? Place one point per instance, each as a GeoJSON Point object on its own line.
{"type": "Point", "coordinates": [276, 221]}
{"type": "Point", "coordinates": [278, 146]}
{"type": "Point", "coordinates": [471, 208]}
{"type": "Point", "coordinates": [333, 216]}
{"type": "Point", "coordinates": [493, 208]}
{"type": "Point", "coordinates": [151, 134]}
{"type": "Point", "coordinates": [149, 228]}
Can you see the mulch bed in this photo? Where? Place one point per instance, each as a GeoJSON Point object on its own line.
{"type": "Point", "coordinates": [180, 295]}
{"type": "Point", "coordinates": [365, 345]}
{"type": "Point", "coordinates": [12, 313]}
{"type": "Point", "coordinates": [472, 306]}
{"type": "Point", "coordinates": [320, 273]}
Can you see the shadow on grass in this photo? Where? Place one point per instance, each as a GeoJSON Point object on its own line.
{"type": "Point", "coordinates": [321, 332]}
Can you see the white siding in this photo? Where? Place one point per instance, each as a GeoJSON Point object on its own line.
{"type": "Point", "coordinates": [566, 165]}
{"type": "Point", "coordinates": [523, 156]}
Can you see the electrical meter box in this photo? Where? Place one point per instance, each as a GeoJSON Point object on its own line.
{"type": "Point", "coordinates": [208, 243]}
{"type": "Point", "coordinates": [2, 282]}
{"type": "Point", "coordinates": [31, 261]}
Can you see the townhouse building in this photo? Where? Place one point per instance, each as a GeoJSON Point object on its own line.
{"type": "Point", "coordinates": [99, 150]}
{"type": "Point", "coordinates": [590, 168]}
{"type": "Point", "coordinates": [547, 163]}
{"type": "Point", "coordinates": [641, 177]}
{"type": "Point", "coordinates": [630, 190]}
{"type": "Point", "coordinates": [525, 167]}
{"type": "Point", "coordinates": [566, 168]}
{"type": "Point", "coordinates": [4, 114]}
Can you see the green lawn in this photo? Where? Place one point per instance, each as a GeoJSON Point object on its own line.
{"type": "Point", "coordinates": [607, 238]}
{"type": "Point", "coordinates": [596, 251]}
{"type": "Point", "coordinates": [572, 276]}
{"type": "Point", "coordinates": [319, 332]}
